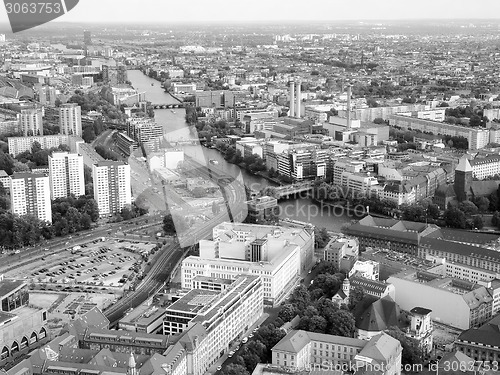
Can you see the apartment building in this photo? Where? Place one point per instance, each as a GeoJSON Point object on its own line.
{"type": "Point", "coordinates": [30, 195]}
{"type": "Point", "coordinates": [112, 189]}
{"type": "Point", "coordinates": [478, 137]}
{"type": "Point", "coordinates": [66, 175]}
{"type": "Point", "coordinates": [22, 326]}
{"type": "Point", "coordinates": [472, 303]}
{"type": "Point", "coordinates": [70, 119]}
{"type": "Point", "coordinates": [30, 121]}
{"type": "Point", "coordinates": [18, 145]}
{"type": "Point", "coordinates": [317, 352]}
{"type": "Point", "coordinates": [143, 129]}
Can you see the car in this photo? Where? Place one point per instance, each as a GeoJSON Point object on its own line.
{"type": "Point", "coordinates": [219, 368]}
{"type": "Point", "coordinates": [250, 335]}
{"type": "Point", "coordinates": [231, 353]}
{"type": "Point", "coordinates": [245, 339]}
{"type": "Point", "coordinates": [309, 271]}
{"type": "Point", "coordinates": [255, 329]}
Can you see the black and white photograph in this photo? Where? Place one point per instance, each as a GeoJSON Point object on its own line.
{"type": "Point", "coordinates": [234, 187]}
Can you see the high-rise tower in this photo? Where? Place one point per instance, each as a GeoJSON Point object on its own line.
{"type": "Point", "coordinates": [70, 119]}
{"type": "Point", "coordinates": [292, 99]}
{"type": "Point", "coordinates": [298, 104]}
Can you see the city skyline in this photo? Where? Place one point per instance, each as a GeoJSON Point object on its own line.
{"type": "Point", "coordinates": [93, 11]}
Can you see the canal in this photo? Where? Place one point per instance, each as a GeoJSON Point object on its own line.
{"type": "Point", "coordinates": [176, 128]}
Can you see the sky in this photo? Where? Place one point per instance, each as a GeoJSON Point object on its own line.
{"type": "Point", "coordinates": [157, 11]}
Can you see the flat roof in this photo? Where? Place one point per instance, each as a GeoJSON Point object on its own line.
{"type": "Point", "coordinates": [8, 286]}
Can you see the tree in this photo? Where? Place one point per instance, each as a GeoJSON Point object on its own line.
{"type": "Point", "coordinates": [356, 294]}
{"type": "Point", "coordinates": [287, 312]}
{"type": "Point", "coordinates": [477, 222]}
{"type": "Point", "coordinates": [379, 120]}
{"type": "Point", "coordinates": [468, 208]}
{"type": "Point", "coordinates": [234, 369]}
{"type": "Point", "coordinates": [326, 267]}
{"type": "Point", "coordinates": [321, 237]}
{"type": "Point", "coordinates": [455, 218]}
{"type": "Point", "coordinates": [168, 225]}
{"type": "Point", "coordinates": [250, 359]}
{"type": "Point", "coordinates": [330, 284]}
{"type": "Point", "coordinates": [482, 204]}
{"type": "Point", "coordinates": [412, 354]}
{"type": "Point", "coordinates": [269, 335]}
{"type": "Point", "coordinates": [300, 299]}
{"type": "Point", "coordinates": [342, 324]}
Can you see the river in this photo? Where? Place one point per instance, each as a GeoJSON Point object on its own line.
{"type": "Point", "coordinates": [175, 128]}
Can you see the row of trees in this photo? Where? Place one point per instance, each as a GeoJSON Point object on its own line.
{"type": "Point", "coordinates": [252, 163]}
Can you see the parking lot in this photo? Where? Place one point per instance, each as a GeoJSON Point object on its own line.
{"type": "Point", "coordinates": [93, 267]}
{"type": "Point", "coordinates": [392, 262]}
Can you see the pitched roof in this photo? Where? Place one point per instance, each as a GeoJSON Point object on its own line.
{"type": "Point", "coordinates": [463, 165]}
{"type": "Point", "coordinates": [368, 285]}
{"type": "Point", "coordinates": [487, 334]}
{"type": "Point", "coordinates": [380, 315]}
{"type": "Point", "coordinates": [381, 348]}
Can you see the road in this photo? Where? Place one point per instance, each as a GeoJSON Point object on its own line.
{"type": "Point", "coordinates": [57, 244]}
{"type": "Point", "coordinates": [159, 274]}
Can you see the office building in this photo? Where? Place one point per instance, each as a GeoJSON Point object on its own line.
{"type": "Point", "coordinates": [315, 351]}
{"type": "Point", "coordinates": [341, 247]}
{"type": "Point", "coordinates": [209, 307]}
{"type": "Point", "coordinates": [143, 129]}
{"type": "Point", "coordinates": [23, 327]}
{"type": "Point", "coordinates": [112, 189]}
{"type": "Point", "coordinates": [30, 121]}
{"type": "Point", "coordinates": [66, 175]}
{"type": "Point", "coordinates": [30, 195]}
{"type": "Point", "coordinates": [262, 209]}
{"type": "Point", "coordinates": [70, 119]}
{"type": "Point", "coordinates": [472, 303]}
{"type": "Point", "coordinates": [169, 158]}
{"type": "Point", "coordinates": [277, 254]}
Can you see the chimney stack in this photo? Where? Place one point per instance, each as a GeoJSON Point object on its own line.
{"type": "Point", "coordinates": [348, 109]}
{"type": "Point", "coordinates": [298, 105]}
{"type": "Point", "coordinates": [292, 99]}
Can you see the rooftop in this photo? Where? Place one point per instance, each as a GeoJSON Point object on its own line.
{"type": "Point", "coordinates": [8, 286]}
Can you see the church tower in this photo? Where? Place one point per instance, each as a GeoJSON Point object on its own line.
{"type": "Point", "coordinates": [131, 370]}
{"type": "Point", "coordinates": [346, 288]}
{"type": "Point", "coordinates": [463, 179]}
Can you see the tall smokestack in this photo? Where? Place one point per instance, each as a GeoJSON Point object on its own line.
{"type": "Point", "coordinates": [298, 105]}
{"type": "Point", "coordinates": [348, 109]}
{"type": "Point", "coordinates": [292, 99]}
